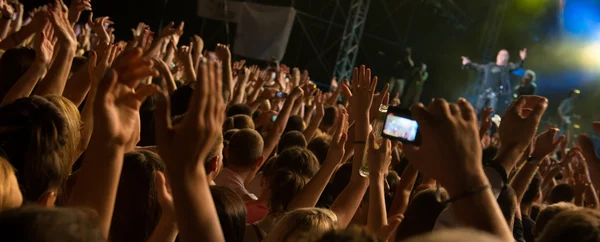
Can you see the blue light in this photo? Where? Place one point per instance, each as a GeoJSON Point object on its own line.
{"type": "Point", "coordinates": [582, 17]}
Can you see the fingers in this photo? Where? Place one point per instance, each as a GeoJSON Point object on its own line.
{"type": "Point", "coordinates": [439, 107]}
{"type": "Point", "coordinates": [145, 91]}
{"type": "Point", "coordinates": [539, 110]}
{"type": "Point", "coordinates": [587, 148]}
{"type": "Point", "coordinates": [137, 70]}
{"type": "Point", "coordinates": [454, 109]}
{"type": "Point", "coordinates": [466, 109]}
{"type": "Point", "coordinates": [107, 84]}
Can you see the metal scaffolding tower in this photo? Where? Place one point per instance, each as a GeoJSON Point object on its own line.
{"type": "Point", "coordinates": [353, 31]}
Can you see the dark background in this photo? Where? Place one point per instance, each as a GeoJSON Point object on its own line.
{"type": "Point", "coordinates": [392, 25]}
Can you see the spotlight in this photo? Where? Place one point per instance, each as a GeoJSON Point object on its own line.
{"type": "Point", "coordinates": [591, 55]}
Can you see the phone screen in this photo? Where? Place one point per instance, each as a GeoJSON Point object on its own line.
{"type": "Point", "coordinates": [281, 94]}
{"type": "Point", "coordinates": [274, 118]}
{"type": "Point", "coordinates": [400, 127]}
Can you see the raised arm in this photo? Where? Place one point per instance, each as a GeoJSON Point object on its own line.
{"type": "Point", "coordinates": [315, 120]}
{"type": "Point", "coordinates": [115, 108]}
{"type": "Point", "coordinates": [310, 194]}
{"type": "Point", "coordinates": [166, 75]}
{"type": "Point", "coordinates": [519, 64]}
{"type": "Point", "coordinates": [240, 88]}
{"type": "Point", "coordinates": [223, 53]}
{"type": "Point", "coordinates": [471, 65]}
{"type": "Point", "coordinates": [76, 8]}
{"type": "Point", "coordinates": [276, 131]}
{"type": "Point", "coordinates": [379, 162]}
{"type": "Point", "coordinates": [184, 148]}
{"type": "Point", "coordinates": [403, 190]}
{"type": "Point", "coordinates": [37, 24]}
{"type": "Point", "coordinates": [185, 56]}
{"type": "Point", "coordinates": [7, 15]}
{"type": "Point", "coordinates": [43, 54]}
{"type": "Point", "coordinates": [166, 229]}
{"type": "Point", "coordinates": [167, 33]}
{"type": "Point", "coordinates": [56, 79]}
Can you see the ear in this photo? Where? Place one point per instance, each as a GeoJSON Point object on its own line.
{"type": "Point", "coordinates": [213, 164]}
{"type": "Point", "coordinates": [48, 199]}
{"type": "Point", "coordinates": [259, 161]}
{"type": "Point", "coordinates": [538, 197]}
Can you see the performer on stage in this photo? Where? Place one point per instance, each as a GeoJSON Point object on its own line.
{"type": "Point", "coordinates": [399, 85]}
{"type": "Point", "coordinates": [565, 110]}
{"type": "Point", "coordinates": [496, 77]}
{"type": "Point", "coordinates": [415, 85]}
{"type": "Point", "coordinates": [527, 86]}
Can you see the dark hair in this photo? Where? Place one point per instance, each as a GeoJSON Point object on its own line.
{"type": "Point", "coordinates": [507, 200]}
{"type": "Point", "coordinates": [489, 153]}
{"type": "Point", "coordinates": [535, 211]}
{"type": "Point", "coordinates": [295, 159]}
{"type": "Point", "coordinates": [294, 123]}
{"type": "Point", "coordinates": [533, 189]}
{"type": "Point", "coordinates": [232, 213]}
{"type": "Point", "coordinates": [239, 108]}
{"type": "Point", "coordinates": [239, 121]}
{"type": "Point", "coordinates": [33, 135]}
{"type": "Point", "coordinates": [37, 224]}
{"type": "Point", "coordinates": [349, 234]}
{"type": "Point", "coordinates": [291, 139]}
{"type": "Point", "coordinates": [245, 148]}
{"type": "Point", "coordinates": [136, 207]}
{"type": "Point", "coordinates": [329, 118]}
{"type": "Point", "coordinates": [319, 146]}
{"type": "Point", "coordinates": [421, 213]}
{"type": "Point", "coordinates": [549, 213]}
{"type": "Point", "coordinates": [561, 193]}
{"type": "Point", "coordinates": [284, 185]}
{"type": "Point", "coordinates": [180, 99]}
{"type": "Point", "coordinates": [335, 187]}
{"type": "Point", "coordinates": [13, 64]}
{"type": "Point", "coordinates": [574, 225]}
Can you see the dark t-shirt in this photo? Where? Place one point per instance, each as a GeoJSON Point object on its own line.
{"type": "Point", "coordinates": [494, 76]}
{"type": "Point", "coordinates": [528, 225]}
{"type": "Point", "coordinates": [526, 89]}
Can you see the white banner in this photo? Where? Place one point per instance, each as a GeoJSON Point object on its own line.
{"type": "Point", "coordinates": [263, 31]}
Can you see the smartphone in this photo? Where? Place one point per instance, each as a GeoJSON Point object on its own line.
{"type": "Point", "coordinates": [281, 94]}
{"type": "Point", "coordinates": [399, 125]}
{"type": "Point", "coordinates": [274, 118]}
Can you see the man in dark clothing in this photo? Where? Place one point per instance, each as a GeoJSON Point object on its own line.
{"type": "Point", "coordinates": [527, 86]}
{"type": "Point", "coordinates": [496, 77]}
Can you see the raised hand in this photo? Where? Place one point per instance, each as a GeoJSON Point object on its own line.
{"type": "Point", "coordinates": [98, 26]}
{"type": "Point", "coordinates": [379, 157]}
{"type": "Point", "coordinates": [338, 140]}
{"type": "Point", "coordinates": [465, 60]}
{"type": "Point", "coordinates": [43, 46]}
{"type": "Point", "coordinates": [163, 192]}
{"type": "Point", "coordinates": [170, 30]}
{"type": "Point", "coordinates": [6, 9]}
{"type": "Point", "coordinates": [520, 123]}
{"type": "Point", "coordinates": [486, 121]}
{"type": "Point", "coordinates": [545, 144]}
{"type": "Point", "coordinates": [223, 53]}
{"type": "Point", "coordinates": [76, 8]}
{"type": "Point", "coordinates": [523, 54]}
{"type": "Point", "coordinates": [363, 90]}
{"type": "Point", "coordinates": [116, 110]}
{"type": "Point", "coordinates": [106, 56]}
{"type": "Point", "coordinates": [62, 27]}
{"type": "Point", "coordinates": [381, 98]}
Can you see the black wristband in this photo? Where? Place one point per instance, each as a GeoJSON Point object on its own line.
{"type": "Point", "coordinates": [468, 194]}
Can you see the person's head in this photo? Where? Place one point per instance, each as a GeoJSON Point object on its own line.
{"type": "Point", "coordinates": [529, 77]}
{"type": "Point", "coordinates": [245, 149]}
{"type": "Point", "coordinates": [283, 185]}
{"type": "Point", "coordinates": [507, 200]}
{"type": "Point", "coordinates": [295, 159]}
{"type": "Point", "coordinates": [329, 118]}
{"type": "Point", "coordinates": [214, 160]}
{"type": "Point", "coordinates": [10, 194]}
{"type": "Point", "coordinates": [455, 235]}
{"type": "Point", "coordinates": [239, 121]}
{"type": "Point", "coordinates": [291, 139]}
{"type": "Point", "coordinates": [548, 213]}
{"type": "Point", "coordinates": [534, 190]}
{"type": "Point", "coordinates": [73, 126]}
{"type": "Point", "coordinates": [421, 213]}
{"type": "Point", "coordinates": [180, 99]}
{"type": "Point", "coordinates": [303, 224]}
{"type": "Point", "coordinates": [33, 135]}
{"type": "Point", "coordinates": [574, 93]}
{"type": "Point", "coordinates": [502, 57]}
{"type": "Point", "coordinates": [38, 224]}
{"type": "Point", "coordinates": [319, 146]}
{"type": "Point", "coordinates": [561, 193]}
{"type": "Point", "coordinates": [580, 225]}
{"type": "Point", "coordinates": [137, 210]}
{"type": "Point", "coordinates": [231, 211]}
{"type": "Point", "coordinates": [13, 64]}
{"type": "Point", "coordinates": [237, 109]}
{"type": "Point", "coordinates": [350, 234]}
{"type": "Point", "coordinates": [294, 123]}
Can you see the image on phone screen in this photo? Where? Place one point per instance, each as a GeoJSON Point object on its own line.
{"type": "Point", "coordinates": [400, 127]}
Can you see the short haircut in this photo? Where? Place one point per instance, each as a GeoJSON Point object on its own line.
{"type": "Point", "coordinates": [561, 193]}
{"type": "Point", "coordinates": [33, 135]}
{"type": "Point", "coordinates": [180, 99]}
{"type": "Point", "coordinates": [239, 108]}
{"type": "Point", "coordinates": [37, 224]}
{"type": "Point", "coordinates": [284, 185]}
{"type": "Point", "coordinates": [239, 121]}
{"type": "Point", "coordinates": [330, 115]}
{"type": "Point", "coordinates": [319, 146]}
{"type": "Point", "coordinates": [421, 213]}
{"type": "Point", "coordinates": [349, 234]}
{"type": "Point", "coordinates": [295, 159]}
{"type": "Point", "coordinates": [215, 150]}
{"type": "Point", "coordinates": [303, 224]}
{"type": "Point", "coordinates": [291, 139]}
{"type": "Point", "coordinates": [573, 225]}
{"type": "Point", "coordinates": [137, 210]}
{"type": "Point", "coordinates": [245, 148]}
{"type": "Point", "coordinates": [294, 123]}
{"type": "Point", "coordinates": [548, 214]}
{"type": "Point", "coordinates": [533, 189]}
{"type": "Point", "coordinates": [231, 211]}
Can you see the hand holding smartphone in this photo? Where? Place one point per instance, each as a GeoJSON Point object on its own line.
{"type": "Point", "coordinates": [399, 125]}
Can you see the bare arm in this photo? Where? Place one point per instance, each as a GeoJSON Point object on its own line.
{"type": "Point", "coordinates": [315, 120]}
{"type": "Point", "coordinates": [272, 138]}
{"type": "Point", "coordinates": [379, 162]}
{"type": "Point", "coordinates": [403, 190]}
{"type": "Point", "coordinates": [240, 91]}
{"type": "Point", "coordinates": [224, 55]}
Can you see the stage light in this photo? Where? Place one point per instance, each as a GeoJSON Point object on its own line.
{"type": "Point", "coordinates": [591, 55]}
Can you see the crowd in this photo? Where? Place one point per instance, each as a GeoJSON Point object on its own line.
{"type": "Point", "coordinates": [150, 140]}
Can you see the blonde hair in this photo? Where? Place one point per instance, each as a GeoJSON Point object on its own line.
{"type": "Point", "coordinates": [532, 73]}
{"type": "Point", "coordinates": [6, 172]}
{"type": "Point", "coordinates": [303, 224]}
{"type": "Point", "coordinates": [73, 127]}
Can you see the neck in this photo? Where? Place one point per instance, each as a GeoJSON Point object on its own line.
{"type": "Point", "coordinates": [500, 63]}
{"type": "Point", "coordinates": [244, 172]}
{"type": "Point", "coordinates": [526, 209]}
